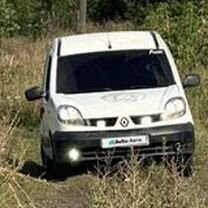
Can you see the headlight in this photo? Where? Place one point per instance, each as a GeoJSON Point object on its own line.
{"type": "Point", "coordinates": [174, 108]}
{"type": "Point", "coordinates": [69, 115]}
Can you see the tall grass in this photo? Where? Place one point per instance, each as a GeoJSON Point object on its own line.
{"type": "Point", "coordinates": [11, 191]}
{"type": "Point", "coordinates": [132, 187]}
{"type": "Point", "coordinates": [21, 66]}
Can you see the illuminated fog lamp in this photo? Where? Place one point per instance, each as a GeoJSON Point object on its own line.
{"type": "Point", "coordinates": [74, 154]}
{"type": "Point", "coordinates": [146, 120]}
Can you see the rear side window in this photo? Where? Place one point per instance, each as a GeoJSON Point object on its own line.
{"type": "Point", "coordinates": [118, 70]}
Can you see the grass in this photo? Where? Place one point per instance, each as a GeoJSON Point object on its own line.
{"type": "Point", "coordinates": [155, 186]}
{"type": "Point", "coordinates": [22, 178]}
{"type": "Point", "coordinates": [23, 182]}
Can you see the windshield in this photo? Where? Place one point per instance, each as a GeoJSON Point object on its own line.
{"type": "Point", "coordinates": [118, 70]}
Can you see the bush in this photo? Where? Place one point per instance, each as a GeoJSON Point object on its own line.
{"type": "Point", "coordinates": [64, 13]}
{"type": "Point", "coordinates": [8, 19]}
{"type": "Point", "coordinates": [105, 10]}
{"type": "Point", "coordinates": [30, 17]}
{"type": "Point", "coordinates": [181, 29]}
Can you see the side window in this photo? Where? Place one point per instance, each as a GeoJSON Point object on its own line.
{"type": "Point", "coordinates": [46, 84]}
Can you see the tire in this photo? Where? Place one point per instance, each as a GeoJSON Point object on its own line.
{"type": "Point", "coordinates": [46, 161]}
{"type": "Point", "coordinates": [50, 165]}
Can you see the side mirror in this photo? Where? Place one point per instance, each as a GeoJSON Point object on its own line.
{"type": "Point", "coordinates": [33, 93]}
{"type": "Point", "coordinates": [191, 80]}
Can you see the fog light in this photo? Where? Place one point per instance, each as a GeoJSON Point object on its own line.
{"type": "Point", "coordinates": [146, 120]}
{"type": "Point", "coordinates": [74, 154]}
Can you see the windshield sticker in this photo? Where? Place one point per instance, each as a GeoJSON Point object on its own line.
{"type": "Point", "coordinates": [155, 52]}
{"type": "Point", "coordinates": [127, 98]}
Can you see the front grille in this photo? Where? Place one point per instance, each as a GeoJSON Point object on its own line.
{"type": "Point", "coordinates": [156, 149]}
{"type": "Point", "coordinates": [137, 119]}
{"type": "Point", "coordinates": [109, 122]}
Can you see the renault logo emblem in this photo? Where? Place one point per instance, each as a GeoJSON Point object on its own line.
{"type": "Point", "coordinates": [124, 122]}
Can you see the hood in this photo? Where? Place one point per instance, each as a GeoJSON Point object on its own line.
{"type": "Point", "coordinates": [119, 103]}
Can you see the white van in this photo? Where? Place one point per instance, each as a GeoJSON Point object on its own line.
{"type": "Point", "coordinates": [113, 93]}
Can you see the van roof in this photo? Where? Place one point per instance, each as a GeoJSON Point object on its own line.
{"type": "Point", "coordinates": [108, 41]}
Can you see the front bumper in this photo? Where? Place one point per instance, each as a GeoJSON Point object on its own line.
{"type": "Point", "coordinates": [166, 140]}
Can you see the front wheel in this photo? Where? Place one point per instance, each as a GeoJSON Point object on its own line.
{"type": "Point", "coordinates": [47, 162]}
{"type": "Point", "coordinates": [50, 165]}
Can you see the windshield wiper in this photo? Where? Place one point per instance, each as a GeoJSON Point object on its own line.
{"type": "Point", "coordinates": [140, 86]}
{"type": "Point", "coordinates": [95, 89]}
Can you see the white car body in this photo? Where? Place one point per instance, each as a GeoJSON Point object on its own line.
{"type": "Point", "coordinates": [121, 105]}
{"type": "Point", "coordinates": [142, 102]}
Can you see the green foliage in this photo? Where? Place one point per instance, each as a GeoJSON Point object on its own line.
{"type": "Point", "coordinates": [104, 10]}
{"type": "Point", "coordinates": [30, 16]}
{"type": "Point", "coordinates": [136, 12]}
{"type": "Point", "coordinates": [64, 12]}
{"type": "Point", "coordinates": [8, 19]}
{"type": "Point", "coordinates": [183, 29]}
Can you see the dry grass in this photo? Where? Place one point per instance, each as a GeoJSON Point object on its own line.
{"type": "Point", "coordinates": [10, 187]}
{"type": "Point", "coordinates": [21, 64]}
{"type": "Point", "coordinates": [23, 191]}
{"type": "Point", "coordinates": [132, 186]}
{"type": "Point", "coordinates": [157, 187]}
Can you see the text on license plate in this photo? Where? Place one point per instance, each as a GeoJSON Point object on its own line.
{"type": "Point", "coordinates": [142, 140]}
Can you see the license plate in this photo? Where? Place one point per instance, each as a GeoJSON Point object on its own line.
{"type": "Point", "coordinates": [142, 140]}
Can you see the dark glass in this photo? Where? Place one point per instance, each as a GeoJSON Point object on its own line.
{"type": "Point", "coordinates": [116, 70]}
